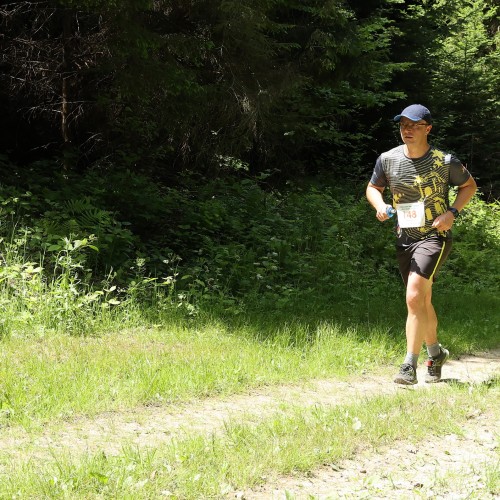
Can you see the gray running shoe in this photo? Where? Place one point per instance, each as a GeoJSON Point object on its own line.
{"type": "Point", "coordinates": [407, 375]}
{"type": "Point", "coordinates": [434, 366]}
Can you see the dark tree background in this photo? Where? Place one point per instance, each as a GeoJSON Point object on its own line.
{"type": "Point", "coordinates": [162, 87]}
{"type": "Point", "coordinates": [133, 108]}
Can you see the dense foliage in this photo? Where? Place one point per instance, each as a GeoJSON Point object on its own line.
{"type": "Point", "coordinates": [230, 248]}
{"type": "Point", "coordinates": [277, 85]}
{"type": "Point", "coordinates": [220, 149]}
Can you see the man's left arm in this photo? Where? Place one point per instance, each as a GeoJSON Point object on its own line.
{"type": "Point", "coordinates": [465, 192]}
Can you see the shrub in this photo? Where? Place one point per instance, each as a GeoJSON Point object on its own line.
{"type": "Point", "coordinates": [474, 262]}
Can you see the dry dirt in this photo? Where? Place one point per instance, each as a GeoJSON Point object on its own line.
{"type": "Point", "coordinates": [450, 467]}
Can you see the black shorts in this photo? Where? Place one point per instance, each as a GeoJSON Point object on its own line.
{"type": "Point", "coordinates": [424, 257]}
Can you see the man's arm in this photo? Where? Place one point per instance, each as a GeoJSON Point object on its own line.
{"type": "Point", "coordinates": [465, 192]}
{"type": "Point", "coordinates": [376, 200]}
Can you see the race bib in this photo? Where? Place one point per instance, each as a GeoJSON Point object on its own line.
{"type": "Point", "coordinates": [411, 214]}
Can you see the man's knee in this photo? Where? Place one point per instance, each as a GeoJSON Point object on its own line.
{"type": "Point", "coordinates": [415, 301]}
{"type": "Point", "coordinates": [418, 292]}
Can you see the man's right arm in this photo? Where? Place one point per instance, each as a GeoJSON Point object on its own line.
{"type": "Point", "coordinates": [376, 200]}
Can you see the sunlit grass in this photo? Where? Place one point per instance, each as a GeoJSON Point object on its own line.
{"type": "Point", "coordinates": [60, 376]}
{"type": "Point", "coordinates": [491, 475]}
{"type": "Point", "coordinates": [135, 356]}
{"type": "Point", "coordinates": [69, 353]}
{"type": "Point", "coordinates": [245, 455]}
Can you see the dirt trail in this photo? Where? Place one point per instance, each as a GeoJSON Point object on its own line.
{"type": "Point", "coordinates": [152, 426]}
{"type": "Point", "coordinates": [450, 468]}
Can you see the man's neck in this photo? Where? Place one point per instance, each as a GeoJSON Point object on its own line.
{"type": "Point", "coordinates": [416, 150]}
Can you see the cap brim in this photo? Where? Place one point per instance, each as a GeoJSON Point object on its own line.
{"type": "Point", "coordinates": [412, 118]}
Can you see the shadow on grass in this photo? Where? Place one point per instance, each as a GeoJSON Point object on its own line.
{"type": "Point", "coordinates": [468, 322]}
{"type": "Point", "coordinates": [488, 384]}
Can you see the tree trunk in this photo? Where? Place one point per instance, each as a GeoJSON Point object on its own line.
{"type": "Point", "coordinates": [65, 75]}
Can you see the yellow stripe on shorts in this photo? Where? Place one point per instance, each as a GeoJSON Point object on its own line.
{"type": "Point", "coordinates": [438, 261]}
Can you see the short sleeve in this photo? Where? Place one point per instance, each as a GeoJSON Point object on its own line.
{"type": "Point", "coordinates": [379, 178]}
{"type": "Point", "coordinates": [458, 173]}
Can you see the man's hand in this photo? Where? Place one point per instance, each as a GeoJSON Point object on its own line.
{"type": "Point", "coordinates": [444, 221]}
{"type": "Point", "coordinates": [374, 196]}
{"type": "Point", "coordinates": [382, 212]}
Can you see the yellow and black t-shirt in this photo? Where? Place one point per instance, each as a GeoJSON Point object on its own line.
{"type": "Point", "coordinates": [426, 179]}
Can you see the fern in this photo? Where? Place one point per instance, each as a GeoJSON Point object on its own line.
{"type": "Point", "coordinates": [86, 214]}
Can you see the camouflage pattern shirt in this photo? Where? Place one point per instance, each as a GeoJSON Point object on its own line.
{"type": "Point", "coordinates": [413, 180]}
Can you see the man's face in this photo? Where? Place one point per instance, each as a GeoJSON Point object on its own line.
{"type": "Point", "coordinates": [414, 132]}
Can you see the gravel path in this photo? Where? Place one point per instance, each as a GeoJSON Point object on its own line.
{"type": "Point", "coordinates": [413, 470]}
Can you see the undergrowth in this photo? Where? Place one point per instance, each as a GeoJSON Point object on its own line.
{"type": "Point", "coordinates": [72, 264]}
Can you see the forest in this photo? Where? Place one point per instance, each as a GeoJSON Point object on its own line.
{"type": "Point", "coordinates": [196, 298]}
{"type": "Point", "coordinates": [215, 153]}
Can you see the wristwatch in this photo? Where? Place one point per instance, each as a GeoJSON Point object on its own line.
{"type": "Point", "coordinates": [454, 211]}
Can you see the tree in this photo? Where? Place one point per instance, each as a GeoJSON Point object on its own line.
{"type": "Point", "coordinates": [47, 50]}
{"type": "Point", "coordinates": [465, 83]}
{"type": "Point", "coordinates": [165, 86]}
{"type": "Point", "coordinates": [452, 48]}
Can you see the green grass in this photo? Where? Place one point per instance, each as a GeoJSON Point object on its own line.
{"type": "Point", "coordinates": [246, 455]}
{"type": "Point", "coordinates": [56, 376]}
{"type": "Point", "coordinates": [491, 476]}
{"type": "Point", "coordinates": [63, 357]}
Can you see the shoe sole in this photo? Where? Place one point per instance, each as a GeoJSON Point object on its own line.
{"type": "Point", "coordinates": [402, 381]}
{"type": "Point", "coordinates": [433, 380]}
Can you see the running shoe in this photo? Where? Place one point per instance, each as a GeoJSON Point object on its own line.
{"type": "Point", "coordinates": [434, 366]}
{"type": "Point", "coordinates": [407, 375]}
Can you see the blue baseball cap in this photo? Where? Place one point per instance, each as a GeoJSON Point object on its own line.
{"type": "Point", "coordinates": [415, 112]}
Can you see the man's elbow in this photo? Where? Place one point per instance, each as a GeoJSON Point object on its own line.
{"type": "Point", "coordinates": [474, 184]}
{"type": "Point", "coordinates": [372, 186]}
{"type": "Point", "coordinates": [471, 185]}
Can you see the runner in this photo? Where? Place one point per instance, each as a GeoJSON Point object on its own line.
{"type": "Point", "coordinates": [419, 176]}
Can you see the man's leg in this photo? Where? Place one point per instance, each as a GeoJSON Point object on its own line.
{"type": "Point", "coordinates": [421, 322]}
{"type": "Point", "coordinates": [438, 355]}
{"type": "Point", "coordinates": [431, 336]}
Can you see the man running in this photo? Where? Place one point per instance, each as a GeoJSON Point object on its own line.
{"type": "Point", "coordinates": [419, 176]}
